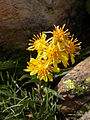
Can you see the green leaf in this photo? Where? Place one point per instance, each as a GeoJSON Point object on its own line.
{"type": "Point", "coordinates": [7, 64]}
{"type": "Point", "coordinates": [42, 108]}
{"type": "Point", "coordinates": [62, 72]}
{"type": "Point", "coordinates": [55, 93]}
{"type": "Point", "coordinates": [24, 76]}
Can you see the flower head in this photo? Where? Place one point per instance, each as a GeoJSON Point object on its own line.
{"type": "Point", "coordinates": [41, 68]}
{"type": "Point", "coordinates": [52, 54]}
{"type": "Point", "coordinates": [59, 35]}
{"type": "Point", "coordinates": [38, 43]}
{"type": "Point", "coordinates": [66, 43]}
{"type": "Point", "coordinates": [55, 55]}
{"type": "Point", "coordinates": [72, 48]}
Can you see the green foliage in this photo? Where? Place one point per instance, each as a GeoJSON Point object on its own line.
{"type": "Point", "coordinates": [62, 72]}
{"type": "Point", "coordinates": [19, 100]}
{"type": "Point", "coordinates": [18, 103]}
{"type": "Point", "coordinates": [7, 64]}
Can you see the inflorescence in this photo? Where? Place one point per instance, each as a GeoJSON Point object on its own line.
{"type": "Point", "coordinates": [50, 52]}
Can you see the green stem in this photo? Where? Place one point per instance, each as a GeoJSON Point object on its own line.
{"type": "Point", "coordinates": [40, 89]}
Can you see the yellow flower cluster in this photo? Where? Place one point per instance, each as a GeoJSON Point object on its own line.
{"type": "Point", "coordinates": [51, 52]}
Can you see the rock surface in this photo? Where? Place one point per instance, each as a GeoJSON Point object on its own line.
{"type": "Point", "coordinates": [86, 116]}
{"type": "Point", "coordinates": [19, 19]}
{"type": "Point", "coordinates": [79, 75]}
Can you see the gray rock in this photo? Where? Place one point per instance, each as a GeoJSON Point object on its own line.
{"type": "Point", "coordinates": [86, 116]}
{"type": "Point", "coordinates": [78, 93]}
{"type": "Point", "coordinates": [78, 75]}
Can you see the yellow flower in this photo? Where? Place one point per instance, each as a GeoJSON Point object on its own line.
{"type": "Point", "coordinates": [40, 67]}
{"type": "Point", "coordinates": [59, 35]}
{"type": "Point", "coordinates": [73, 48]}
{"type": "Point", "coordinates": [56, 55]}
{"type": "Point", "coordinates": [38, 43]}
{"type": "Point", "coordinates": [51, 52]}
